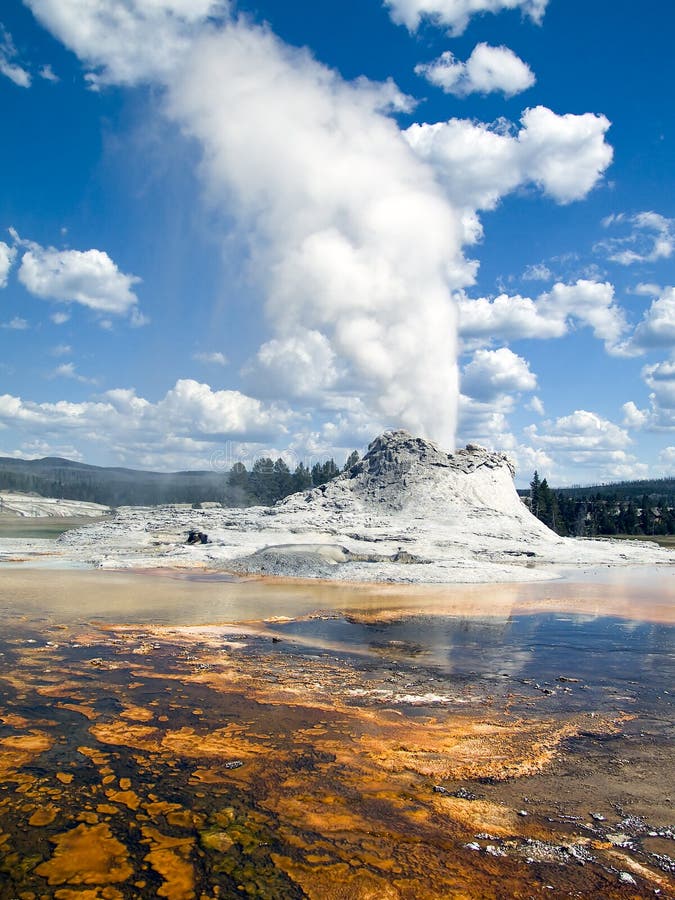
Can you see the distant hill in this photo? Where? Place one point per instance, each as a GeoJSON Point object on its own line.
{"type": "Point", "coordinates": [63, 478]}
{"type": "Point", "coordinates": [657, 489]}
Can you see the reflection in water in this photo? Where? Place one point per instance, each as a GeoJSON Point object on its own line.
{"type": "Point", "coordinates": [368, 752]}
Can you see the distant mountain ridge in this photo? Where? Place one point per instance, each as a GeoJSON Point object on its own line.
{"type": "Point", "coordinates": [112, 486]}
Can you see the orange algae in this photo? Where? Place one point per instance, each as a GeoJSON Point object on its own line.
{"type": "Point", "coordinates": [44, 816]}
{"type": "Point", "coordinates": [86, 855]}
{"type": "Point", "coordinates": [169, 856]}
{"type": "Point", "coordinates": [137, 714]}
{"type": "Point", "coordinates": [17, 750]}
{"type": "Point", "coordinates": [130, 799]}
{"type": "Point", "coordinates": [65, 777]}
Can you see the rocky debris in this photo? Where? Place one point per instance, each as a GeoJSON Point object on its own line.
{"type": "Point", "coordinates": [197, 537]}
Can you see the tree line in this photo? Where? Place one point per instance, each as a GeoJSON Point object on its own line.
{"type": "Point", "coordinates": [267, 481]}
{"type": "Point", "coordinates": [271, 480]}
{"type": "Point", "coordinates": [603, 512]}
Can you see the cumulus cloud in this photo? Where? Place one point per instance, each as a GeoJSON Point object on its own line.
{"type": "Point", "coordinates": [455, 14]}
{"type": "Point", "coordinates": [7, 257]}
{"type": "Point", "coordinates": [59, 318]}
{"type": "Point", "coordinates": [660, 414]}
{"type": "Point", "coordinates": [492, 373]}
{"type": "Point", "coordinates": [651, 238]}
{"type": "Point", "coordinates": [87, 277]}
{"type": "Point", "coordinates": [190, 418]}
{"type": "Point", "coordinates": [487, 70]}
{"type": "Point", "coordinates": [550, 315]}
{"type": "Point", "coordinates": [581, 431]}
{"type": "Point", "coordinates": [588, 440]}
{"type": "Point", "coordinates": [8, 67]}
{"type": "Point", "coordinates": [657, 328]}
{"type": "Point", "coordinates": [215, 358]}
{"type": "Point", "coordinates": [565, 156]}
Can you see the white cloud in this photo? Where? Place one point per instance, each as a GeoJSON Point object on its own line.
{"type": "Point", "coordinates": [536, 406]}
{"type": "Point", "coordinates": [565, 156]}
{"type": "Point", "coordinates": [455, 14]}
{"type": "Point", "coordinates": [580, 433]}
{"type": "Point", "coordinates": [190, 419]}
{"type": "Point", "coordinates": [651, 238]}
{"type": "Point", "coordinates": [49, 74]}
{"type": "Point", "coordinates": [88, 277]}
{"type": "Point", "coordinates": [69, 370]}
{"type": "Point", "coordinates": [549, 316]}
{"type": "Point", "coordinates": [537, 272]}
{"type": "Point", "coordinates": [16, 324]}
{"type": "Point", "coordinates": [492, 373]}
{"type": "Point", "coordinates": [506, 318]}
{"type": "Point", "coordinates": [216, 358]}
{"type": "Point", "coordinates": [59, 318]}
{"type": "Point", "coordinates": [61, 350]}
{"type": "Point", "coordinates": [660, 414]}
{"type": "Point", "coordinates": [657, 328]}
{"type": "Point", "coordinates": [7, 257]}
{"type": "Point", "coordinates": [667, 456]}
{"type": "Point", "coordinates": [8, 67]}
{"type": "Point", "coordinates": [487, 70]}
{"type": "Point", "coordinates": [586, 447]}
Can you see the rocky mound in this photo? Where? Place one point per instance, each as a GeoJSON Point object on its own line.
{"type": "Point", "coordinates": [405, 474]}
{"type": "Point", "coordinates": [408, 511]}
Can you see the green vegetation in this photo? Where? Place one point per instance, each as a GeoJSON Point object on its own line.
{"type": "Point", "coordinates": [267, 481]}
{"type": "Point", "coordinates": [628, 509]}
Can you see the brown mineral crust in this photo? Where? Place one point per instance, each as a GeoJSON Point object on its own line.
{"type": "Point", "coordinates": [86, 855]}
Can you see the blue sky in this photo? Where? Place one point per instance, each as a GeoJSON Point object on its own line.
{"type": "Point", "coordinates": [455, 216]}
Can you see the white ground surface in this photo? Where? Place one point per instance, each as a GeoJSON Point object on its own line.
{"type": "Point", "coordinates": [408, 512]}
{"type": "Point", "coordinates": [33, 506]}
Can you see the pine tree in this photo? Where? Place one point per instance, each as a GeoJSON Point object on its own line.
{"type": "Point", "coordinates": [302, 478]}
{"type": "Point", "coordinates": [535, 485]}
{"type": "Point", "coordinates": [282, 481]}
